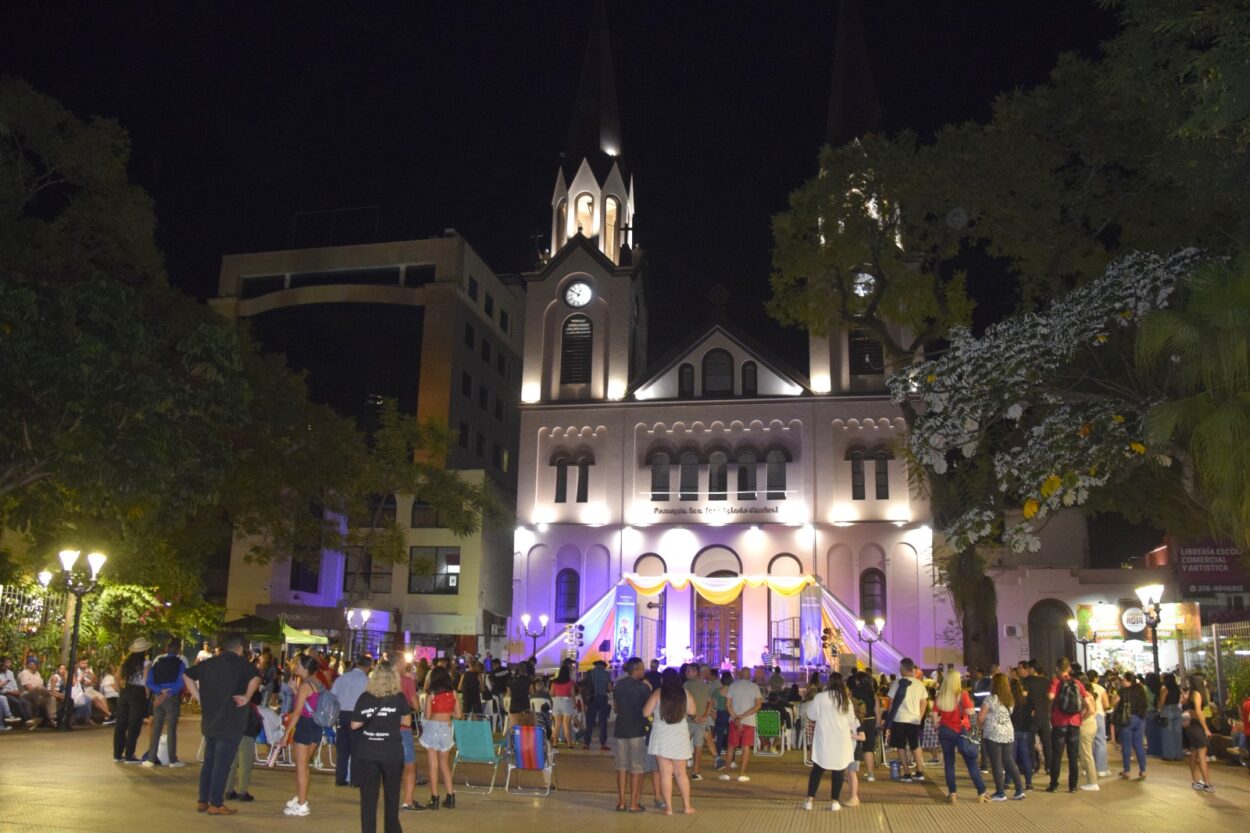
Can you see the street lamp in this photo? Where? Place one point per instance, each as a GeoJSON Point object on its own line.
{"type": "Point", "coordinates": [870, 636]}
{"type": "Point", "coordinates": [534, 635]}
{"type": "Point", "coordinates": [79, 585]}
{"type": "Point", "coordinates": [1083, 641]}
{"type": "Point", "coordinates": [1150, 596]}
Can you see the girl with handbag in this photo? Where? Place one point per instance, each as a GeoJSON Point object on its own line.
{"type": "Point", "coordinates": [954, 708]}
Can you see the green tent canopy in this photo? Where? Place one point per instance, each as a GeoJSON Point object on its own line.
{"type": "Point", "coordinates": [280, 633]}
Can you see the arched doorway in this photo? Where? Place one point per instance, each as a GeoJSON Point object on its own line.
{"type": "Point", "coordinates": [1049, 635]}
{"type": "Point", "coordinates": [717, 628]}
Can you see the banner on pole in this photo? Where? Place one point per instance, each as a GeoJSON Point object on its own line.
{"type": "Point", "coordinates": [626, 605]}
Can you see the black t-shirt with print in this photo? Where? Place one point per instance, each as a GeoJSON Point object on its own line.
{"type": "Point", "coordinates": [220, 679]}
{"type": "Point", "coordinates": [378, 739]}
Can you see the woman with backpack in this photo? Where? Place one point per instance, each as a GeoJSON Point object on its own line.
{"type": "Point", "coordinates": [303, 733]}
{"type": "Point", "coordinates": [954, 708]}
{"type": "Point", "coordinates": [999, 736]}
{"type": "Point", "coordinates": [1129, 717]}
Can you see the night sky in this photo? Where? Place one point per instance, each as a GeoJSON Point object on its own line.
{"type": "Point", "coordinates": [453, 114]}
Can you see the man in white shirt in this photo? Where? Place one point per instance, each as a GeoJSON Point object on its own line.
{"type": "Point", "coordinates": [743, 699]}
{"type": "Point", "coordinates": [12, 694]}
{"type": "Point", "coordinates": [40, 699]}
{"type": "Point", "coordinates": [908, 704]}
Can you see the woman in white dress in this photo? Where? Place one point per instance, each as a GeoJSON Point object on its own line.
{"type": "Point", "coordinates": [833, 744]}
{"type": "Point", "coordinates": [670, 736]}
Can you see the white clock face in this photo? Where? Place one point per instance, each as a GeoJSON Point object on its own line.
{"type": "Point", "coordinates": [578, 294]}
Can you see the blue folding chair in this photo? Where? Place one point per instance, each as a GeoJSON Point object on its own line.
{"type": "Point", "coordinates": [476, 745]}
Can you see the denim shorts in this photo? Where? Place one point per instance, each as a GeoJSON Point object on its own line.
{"type": "Point", "coordinates": [410, 751]}
{"type": "Point", "coordinates": [436, 735]}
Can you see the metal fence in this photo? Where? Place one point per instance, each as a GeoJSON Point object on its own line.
{"type": "Point", "coordinates": [29, 614]}
{"type": "Point", "coordinates": [1222, 653]}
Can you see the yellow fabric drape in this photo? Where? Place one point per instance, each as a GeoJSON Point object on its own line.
{"type": "Point", "coordinates": [720, 591]}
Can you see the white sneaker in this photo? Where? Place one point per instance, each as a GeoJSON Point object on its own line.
{"type": "Point", "coordinates": [1105, 774]}
{"type": "Point", "coordinates": [297, 810]}
{"type": "Point", "coordinates": [870, 777]}
{"type": "Point", "coordinates": [722, 777]}
{"type": "Point", "coordinates": [835, 807]}
{"type": "Point", "coordinates": [294, 802]}
{"type": "Point", "coordinates": [1091, 787]}
{"type": "Point", "coordinates": [148, 764]}
{"type": "Point", "coordinates": [742, 778]}
{"type": "Point", "coordinates": [807, 805]}
{"type": "Point", "coordinates": [176, 764]}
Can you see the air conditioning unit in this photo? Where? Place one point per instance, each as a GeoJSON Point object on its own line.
{"type": "Point", "coordinates": [497, 629]}
{"type": "Point", "coordinates": [1013, 631]}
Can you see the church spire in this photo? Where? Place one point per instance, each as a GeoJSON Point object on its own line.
{"type": "Point", "coordinates": [853, 106]}
{"type": "Point", "coordinates": [596, 125]}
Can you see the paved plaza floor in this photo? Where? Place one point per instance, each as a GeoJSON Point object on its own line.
{"type": "Point", "coordinates": [54, 783]}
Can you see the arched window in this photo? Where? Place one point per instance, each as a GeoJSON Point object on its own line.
{"type": "Point", "coordinates": [562, 224]}
{"type": "Point", "coordinates": [685, 381]}
{"type": "Point", "coordinates": [750, 379]}
{"type": "Point", "coordinates": [585, 206]}
{"type": "Point", "coordinates": [659, 476]}
{"type": "Point", "coordinates": [583, 480]}
{"type": "Point", "coordinates": [881, 459]}
{"type": "Point", "coordinates": [856, 456]}
{"type": "Point", "coordinates": [718, 373]}
{"type": "Point", "coordinates": [424, 516]}
{"type": "Point", "coordinates": [689, 476]}
{"type": "Point", "coordinates": [562, 481]}
{"type": "Point", "coordinates": [717, 476]}
{"type": "Point", "coordinates": [775, 474]}
{"type": "Point", "coordinates": [379, 510]}
{"type": "Point", "coordinates": [871, 594]}
{"type": "Point", "coordinates": [576, 350]}
{"type": "Point", "coordinates": [747, 464]}
{"type": "Point", "coordinates": [568, 588]}
{"type": "Point", "coordinates": [611, 228]}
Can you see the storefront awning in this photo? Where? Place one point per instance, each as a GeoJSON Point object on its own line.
{"type": "Point", "coordinates": [720, 591]}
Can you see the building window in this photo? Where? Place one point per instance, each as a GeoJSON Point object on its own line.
{"type": "Point", "coordinates": [857, 474]}
{"type": "Point", "coordinates": [499, 410]}
{"type": "Point", "coordinates": [419, 275]}
{"type": "Point", "coordinates": [612, 228]}
{"type": "Point", "coordinates": [486, 350]}
{"type": "Point", "coordinates": [585, 208]}
{"type": "Point", "coordinates": [473, 287]}
{"type": "Point", "coordinates": [488, 305]}
{"type": "Point", "coordinates": [659, 477]}
{"type": "Point", "coordinates": [583, 480]}
{"type": "Point", "coordinates": [361, 573]}
{"type": "Point", "coordinates": [568, 588]}
{"type": "Point", "coordinates": [747, 464]}
{"type": "Point", "coordinates": [575, 351]}
{"type": "Point", "coordinates": [483, 397]}
{"type": "Point", "coordinates": [496, 455]}
{"type": "Point", "coordinates": [479, 445]}
{"type": "Point", "coordinates": [425, 516]}
{"type": "Point", "coordinates": [717, 476]}
{"type": "Point", "coordinates": [718, 373]}
{"type": "Point", "coordinates": [685, 381]}
{"type": "Point", "coordinates": [434, 570]}
{"type": "Point", "coordinates": [305, 576]}
{"type": "Point", "coordinates": [504, 321]}
{"type": "Point", "coordinates": [466, 384]}
{"type": "Point", "coordinates": [562, 224]}
{"type": "Point", "coordinates": [501, 365]}
{"type": "Point", "coordinates": [872, 594]}
{"type": "Point", "coordinates": [866, 355]}
{"type": "Point", "coordinates": [882, 461]}
{"type": "Point", "coordinates": [562, 481]}
{"type": "Point", "coordinates": [470, 336]}
{"type": "Point", "coordinates": [379, 510]}
{"type": "Point", "coordinates": [464, 435]}
{"type": "Point", "coordinates": [689, 476]}
{"type": "Point", "coordinates": [775, 474]}
{"type": "Point", "coordinates": [750, 379]}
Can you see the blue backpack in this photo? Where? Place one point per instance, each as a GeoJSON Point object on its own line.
{"type": "Point", "coordinates": [326, 715]}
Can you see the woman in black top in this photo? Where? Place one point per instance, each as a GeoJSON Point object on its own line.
{"type": "Point", "coordinates": [1024, 722]}
{"type": "Point", "coordinates": [519, 690]}
{"type": "Point", "coordinates": [132, 703]}
{"type": "Point", "coordinates": [471, 688]}
{"type": "Point", "coordinates": [1133, 701]}
{"type": "Point", "coordinates": [1197, 733]}
{"type": "Point", "coordinates": [377, 753]}
{"type": "Point", "coordinates": [1169, 706]}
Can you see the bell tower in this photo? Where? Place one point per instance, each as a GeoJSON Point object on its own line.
{"type": "Point", "coordinates": [594, 192]}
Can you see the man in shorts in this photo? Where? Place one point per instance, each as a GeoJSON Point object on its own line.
{"type": "Point", "coordinates": [908, 704]}
{"type": "Point", "coordinates": [629, 696]}
{"type": "Point", "coordinates": [744, 699]}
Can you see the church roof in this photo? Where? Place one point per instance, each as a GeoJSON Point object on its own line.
{"type": "Point", "coordinates": [595, 130]}
{"type": "Point", "coordinates": [853, 105]}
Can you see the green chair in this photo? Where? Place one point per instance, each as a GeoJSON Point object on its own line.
{"type": "Point", "coordinates": [767, 728]}
{"type": "Point", "coordinates": [476, 745]}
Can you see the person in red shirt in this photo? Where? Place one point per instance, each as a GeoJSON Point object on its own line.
{"type": "Point", "coordinates": [1067, 708]}
{"type": "Point", "coordinates": [954, 708]}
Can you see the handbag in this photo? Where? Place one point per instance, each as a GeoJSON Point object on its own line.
{"type": "Point", "coordinates": [1161, 720]}
{"type": "Point", "coordinates": [969, 746]}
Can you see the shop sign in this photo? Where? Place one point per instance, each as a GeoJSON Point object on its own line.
{"type": "Point", "coordinates": [1209, 567]}
{"type": "Point", "coordinates": [1105, 622]}
{"type": "Point", "coordinates": [1133, 619]}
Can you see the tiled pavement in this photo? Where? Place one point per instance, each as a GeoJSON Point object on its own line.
{"type": "Point", "coordinates": [57, 783]}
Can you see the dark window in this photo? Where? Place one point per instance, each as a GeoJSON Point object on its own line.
{"type": "Point", "coordinates": [775, 474]}
{"type": "Point", "coordinates": [717, 476]}
{"type": "Point", "coordinates": [583, 480]}
{"type": "Point", "coordinates": [499, 410]}
{"type": "Point", "coordinates": [568, 588]}
{"type": "Point", "coordinates": [562, 481]}
{"type": "Point", "coordinates": [857, 475]}
{"type": "Point", "coordinates": [576, 351]}
{"type": "Point", "coordinates": [360, 572]}
{"type": "Point", "coordinates": [473, 287]}
{"type": "Point", "coordinates": [470, 336]}
{"type": "Point", "coordinates": [496, 455]}
{"type": "Point", "coordinates": [688, 474]}
{"type": "Point", "coordinates": [718, 373]}
{"type": "Point", "coordinates": [483, 397]}
{"type": "Point", "coordinates": [485, 350]}
{"type": "Point", "coordinates": [750, 379]}
{"type": "Point", "coordinates": [464, 435]}
{"type": "Point", "coordinates": [434, 570]}
{"type": "Point", "coordinates": [382, 276]}
{"type": "Point", "coordinates": [425, 516]}
{"type": "Point", "coordinates": [488, 305]}
{"type": "Point", "coordinates": [866, 354]}
{"type": "Point", "coordinates": [479, 445]}
{"type": "Point", "coordinates": [305, 576]}
{"type": "Point", "coordinates": [504, 321]}
{"type": "Point", "coordinates": [379, 510]}
{"type": "Point", "coordinates": [872, 595]}
{"type": "Point", "coordinates": [747, 466]}
{"type": "Point", "coordinates": [501, 365]}
{"type": "Point", "coordinates": [659, 476]}
{"type": "Point", "coordinates": [685, 381]}
{"type": "Point", "coordinates": [882, 461]}
{"type": "Point", "coordinates": [261, 285]}
{"type": "Point", "coordinates": [466, 384]}
{"type": "Point", "coordinates": [419, 275]}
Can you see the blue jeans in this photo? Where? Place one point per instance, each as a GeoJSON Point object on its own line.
{"type": "Point", "coordinates": [1024, 757]}
{"type": "Point", "coordinates": [1100, 743]}
{"type": "Point", "coordinates": [218, 755]}
{"type": "Point", "coordinates": [721, 732]}
{"type": "Point", "coordinates": [949, 740]}
{"type": "Point", "coordinates": [1132, 739]}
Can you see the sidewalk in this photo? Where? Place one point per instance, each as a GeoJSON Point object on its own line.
{"type": "Point", "coordinates": [54, 783]}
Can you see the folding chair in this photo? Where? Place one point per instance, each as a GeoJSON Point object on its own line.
{"type": "Point", "coordinates": [528, 750]}
{"type": "Point", "coordinates": [809, 732]}
{"type": "Point", "coordinates": [768, 727]}
{"type": "Point", "coordinates": [476, 745]}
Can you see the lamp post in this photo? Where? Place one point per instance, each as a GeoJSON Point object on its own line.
{"type": "Point", "coordinates": [534, 635]}
{"type": "Point", "coordinates": [1083, 641]}
{"type": "Point", "coordinates": [79, 585]}
{"type": "Point", "coordinates": [1150, 595]}
{"type": "Point", "coordinates": [45, 578]}
{"type": "Point", "coordinates": [869, 635]}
